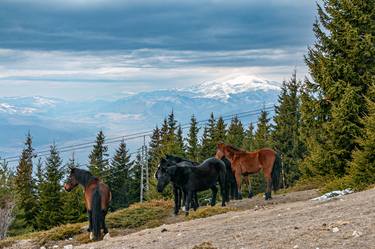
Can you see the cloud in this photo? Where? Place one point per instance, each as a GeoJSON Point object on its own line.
{"type": "Point", "coordinates": [174, 25]}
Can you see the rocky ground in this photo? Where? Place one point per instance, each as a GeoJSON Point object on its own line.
{"type": "Point", "coordinates": [288, 221]}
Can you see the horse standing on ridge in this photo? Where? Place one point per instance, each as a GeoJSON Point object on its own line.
{"type": "Point", "coordinates": [97, 197]}
{"type": "Point", "coordinates": [245, 163]}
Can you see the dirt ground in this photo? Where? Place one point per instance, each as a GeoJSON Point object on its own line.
{"type": "Point", "coordinates": [345, 222]}
{"type": "Point", "coordinates": [288, 221]}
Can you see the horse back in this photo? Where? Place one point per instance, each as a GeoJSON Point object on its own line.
{"type": "Point", "coordinates": [105, 194]}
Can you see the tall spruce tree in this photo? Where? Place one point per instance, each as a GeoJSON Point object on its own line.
{"type": "Point", "coordinates": [262, 137]}
{"type": "Point", "coordinates": [135, 180]}
{"type": "Point", "coordinates": [248, 141]}
{"type": "Point", "coordinates": [180, 145]}
{"type": "Point", "coordinates": [208, 147]}
{"type": "Point", "coordinates": [25, 189]}
{"type": "Point", "coordinates": [51, 202]}
{"type": "Point", "coordinates": [220, 131]}
{"type": "Point", "coordinates": [235, 134]}
{"type": "Point", "coordinates": [341, 66]}
{"type": "Point", "coordinates": [362, 168]}
{"type": "Point", "coordinates": [286, 137]}
{"type": "Point", "coordinates": [192, 140]}
{"type": "Point", "coordinates": [98, 157]}
{"type": "Point", "coordinates": [119, 182]}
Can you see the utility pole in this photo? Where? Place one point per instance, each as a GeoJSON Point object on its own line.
{"type": "Point", "coordinates": [141, 164]}
{"type": "Point", "coordinates": [144, 186]}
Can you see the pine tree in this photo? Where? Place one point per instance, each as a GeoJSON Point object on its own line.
{"type": "Point", "coordinates": [74, 205]}
{"type": "Point", "coordinates": [262, 135]}
{"type": "Point", "coordinates": [99, 164]}
{"type": "Point", "coordinates": [51, 203]}
{"type": "Point", "coordinates": [192, 140]}
{"type": "Point", "coordinates": [179, 145]}
{"type": "Point", "coordinates": [135, 180]}
{"type": "Point", "coordinates": [39, 175]}
{"type": "Point", "coordinates": [286, 137]}
{"type": "Point", "coordinates": [119, 182]}
{"type": "Point", "coordinates": [342, 67]}
{"type": "Point", "coordinates": [208, 147]}
{"type": "Point", "coordinates": [25, 188]}
{"type": "Point", "coordinates": [248, 141]}
{"type": "Point", "coordinates": [362, 168]}
{"type": "Point", "coordinates": [235, 132]}
{"type": "Point", "coordinates": [220, 131]}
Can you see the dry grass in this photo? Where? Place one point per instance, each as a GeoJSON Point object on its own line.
{"type": "Point", "coordinates": [208, 211]}
{"type": "Point", "coordinates": [205, 245]}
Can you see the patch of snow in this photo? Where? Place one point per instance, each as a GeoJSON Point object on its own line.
{"type": "Point", "coordinates": [333, 194]}
{"type": "Point", "coordinates": [41, 101]}
{"type": "Point", "coordinates": [233, 84]}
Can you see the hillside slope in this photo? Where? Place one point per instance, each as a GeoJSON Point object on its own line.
{"type": "Point", "coordinates": [304, 224]}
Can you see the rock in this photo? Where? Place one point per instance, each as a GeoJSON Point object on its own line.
{"type": "Point", "coordinates": [296, 228]}
{"type": "Point", "coordinates": [42, 247]}
{"type": "Point", "coordinates": [296, 246]}
{"type": "Point", "coordinates": [335, 230]}
{"type": "Point", "coordinates": [356, 234]}
{"type": "Point", "coordinates": [164, 230]}
{"type": "Point", "coordinates": [55, 246]}
{"type": "Point", "coordinates": [68, 247]}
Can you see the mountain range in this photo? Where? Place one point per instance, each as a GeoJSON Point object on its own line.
{"type": "Point", "coordinates": [56, 120]}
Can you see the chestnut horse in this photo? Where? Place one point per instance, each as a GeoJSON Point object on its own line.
{"type": "Point", "coordinates": [97, 197]}
{"type": "Point", "coordinates": [245, 163]}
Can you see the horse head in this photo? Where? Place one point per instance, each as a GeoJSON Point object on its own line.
{"type": "Point", "coordinates": [220, 151]}
{"type": "Point", "coordinates": [72, 180]}
{"type": "Point", "coordinates": [164, 177]}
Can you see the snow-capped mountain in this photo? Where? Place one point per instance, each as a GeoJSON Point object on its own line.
{"type": "Point", "coordinates": [50, 119]}
{"type": "Point", "coordinates": [224, 87]}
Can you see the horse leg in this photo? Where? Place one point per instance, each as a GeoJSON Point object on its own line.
{"type": "Point", "coordinates": [196, 203]}
{"type": "Point", "coordinates": [268, 190]}
{"type": "Point", "coordinates": [214, 193]}
{"type": "Point", "coordinates": [248, 183]}
{"type": "Point", "coordinates": [188, 201]}
{"type": "Point", "coordinates": [89, 229]}
{"type": "Point", "coordinates": [105, 229]}
{"type": "Point", "coordinates": [177, 201]}
{"type": "Point", "coordinates": [238, 181]}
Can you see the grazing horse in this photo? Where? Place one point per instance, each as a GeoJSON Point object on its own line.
{"type": "Point", "coordinates": [194, 179]}
{"type": "Point", "coordinates": [97, 197]}
{"type": "Point", "coordinates": [178, 192]}
{"type": "Point", "coordinates": [245, 163]}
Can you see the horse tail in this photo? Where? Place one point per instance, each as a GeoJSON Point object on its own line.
{"type": "Point", "coordinates": [276, 170]}
{"type": "Point", "coordinates": [221, 167]}
{"type": "Point", "coordinates": [96, 213]}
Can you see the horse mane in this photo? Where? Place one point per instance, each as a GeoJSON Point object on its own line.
{"type": "Point", "coordinates": [83, 176]}
{"type": "Point", "coordinates": [234, 149]}
{"type": "Point", "coordinates": [180, 159]}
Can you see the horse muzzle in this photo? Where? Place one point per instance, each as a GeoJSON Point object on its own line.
{"type": "Point", "coordinates": [67, 187]}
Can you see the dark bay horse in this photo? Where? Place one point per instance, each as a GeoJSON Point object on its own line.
{"type": "Point", "coordinates": [245, 163]}
{"type": "Point", "coordinates": [195, 179]}
{"type": "Point", "coordinates": [97, 197]}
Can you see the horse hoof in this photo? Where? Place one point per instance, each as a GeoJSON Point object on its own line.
{"type": "Point", "coordinates": [91, 236]}
{"type": "Point", "coordinates": [251, 195]}
{"type": "Point", "coordinates": [106, 236]}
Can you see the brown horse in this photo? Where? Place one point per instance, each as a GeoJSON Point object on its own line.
{"type": "Point", "coordinates": [97, 197]}
{"type": "Point", "coordinates": [245, 163]}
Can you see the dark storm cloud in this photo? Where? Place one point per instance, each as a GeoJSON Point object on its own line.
{"type": "Point", "coordinates": [172, 25]}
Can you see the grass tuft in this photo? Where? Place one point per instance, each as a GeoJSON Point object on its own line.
{"type": "Point", "coordinates": [208, 211]}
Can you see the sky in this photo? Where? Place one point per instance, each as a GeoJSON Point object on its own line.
{"type": "Point", "coordinates": [92, 49]}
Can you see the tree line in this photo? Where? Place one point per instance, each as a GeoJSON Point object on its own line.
{"type": "Point", "coordinates": [323, 127]}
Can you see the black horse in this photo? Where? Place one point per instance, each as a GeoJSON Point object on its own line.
{"type": "Point", "coordinates": [195, 178]}
{"type": "Point", "coordinates": [179, 194]}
